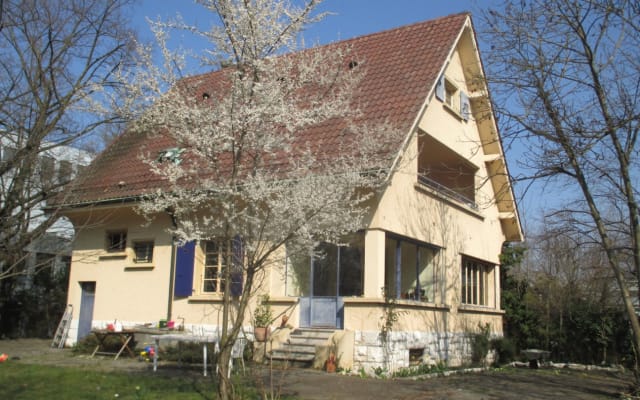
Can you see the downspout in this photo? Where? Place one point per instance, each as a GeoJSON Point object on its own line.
{"type": "Point", "coordinates": [398, 289]}
{"type": "Point", "coordinates": [172, 267]}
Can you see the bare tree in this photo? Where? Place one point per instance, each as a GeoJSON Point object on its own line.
{"type": "Point", "coordinates": [57, 64]}
{"type": "Point", "coordinates": [566, 76]}
{"type": "Point", "coordinates": [267, 152]}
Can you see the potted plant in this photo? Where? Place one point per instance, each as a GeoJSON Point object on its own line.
{"type": "Point", "coordinates": [262, 318]}
{"type": "Point", "coordinates": [331, 363]}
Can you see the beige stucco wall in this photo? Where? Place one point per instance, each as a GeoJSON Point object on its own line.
{"type": "Point", "coordinates": [124, 290]}
{"type": "Point", "coordinates": [408, 209]}
{"type": "Point", "coordinates": [139, 293]}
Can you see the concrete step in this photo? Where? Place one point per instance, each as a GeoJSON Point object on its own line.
{"type": "Point", "coordinates": [282, 354]}
{"type": "Point", "coordinates": [300, 350]}
{"type": "Point", "coordinates": [313, 333]}
{"type": "Point", "coordinates": [305, 341]}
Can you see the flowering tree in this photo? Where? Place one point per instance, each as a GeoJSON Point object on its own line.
{"type": "Point", "coordinates": [269, 150]}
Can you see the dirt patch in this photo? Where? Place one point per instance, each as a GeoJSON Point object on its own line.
{"type": "Point", "coordinates": [521, 384]}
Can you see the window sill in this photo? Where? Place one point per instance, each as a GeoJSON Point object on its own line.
{"type": "Point", "coordinates": [139, 266]}
{"type": "Point", "coordinates": [453, 111]}
{"type": "Point", "coordinates": [205, 298]}
{"type": "Point", "coordinates": [283, 300]}
{"type": "Point", "coordinates": [113, 256]}
{"type": "Point", "coordinates": [399, 302]}
{"type": "Point", "coordinates": [469, 308]}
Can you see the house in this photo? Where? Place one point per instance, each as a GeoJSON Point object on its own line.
{"type": "Point", "coordinates": [48, 253]}
{"type": "Point", "coordinates": [433, 236]}
{"type": "Point", "coordinates": [56, 166]}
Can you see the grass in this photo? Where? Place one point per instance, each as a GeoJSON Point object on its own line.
{"type": "Point", "coordinates": [25, 381]}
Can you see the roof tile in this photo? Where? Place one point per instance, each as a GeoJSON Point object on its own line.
{"type": "Point", "coordinates": [401, 68]}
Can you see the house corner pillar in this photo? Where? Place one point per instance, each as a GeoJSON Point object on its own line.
{"type": "Point", "coordinates": [374, 260]}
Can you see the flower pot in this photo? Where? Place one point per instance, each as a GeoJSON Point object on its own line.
{"type": "Point", "coordinates": [330, 365]}
{"type": "Point", "coordinates": [261, 333]}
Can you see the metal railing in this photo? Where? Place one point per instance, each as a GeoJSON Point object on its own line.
{"type": "Point", "coordinates": [447, 192]}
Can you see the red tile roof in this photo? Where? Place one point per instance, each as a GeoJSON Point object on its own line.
{"type": "Point", "coordinates": [402, 66]}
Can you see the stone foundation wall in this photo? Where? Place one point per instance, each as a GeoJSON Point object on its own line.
{"type": "Point", "coordinates": [452, 349]}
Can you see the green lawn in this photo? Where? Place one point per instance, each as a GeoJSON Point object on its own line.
{"type": "Point", "coordinates": [24, 381]}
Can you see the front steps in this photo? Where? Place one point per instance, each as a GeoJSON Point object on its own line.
{"type": "Point", "coordinates": [300, 349]}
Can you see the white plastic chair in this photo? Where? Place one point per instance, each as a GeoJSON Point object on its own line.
{"type": "Point", "coordinates": [237, 352]}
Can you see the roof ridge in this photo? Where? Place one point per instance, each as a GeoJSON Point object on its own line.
{"type": "Point", "coordinates": [344, 41]}
{"type": "Point", "coordinates": [397, 28]}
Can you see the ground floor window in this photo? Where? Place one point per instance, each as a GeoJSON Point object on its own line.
{"type": "Point", "coordinates": [476, 278]}
{"type": "Point", "coordinates": [331, 269]}
{"type": "Point", "coordinates": [410, 270]}
{"type": "Point", "coordinates": [217, 258]}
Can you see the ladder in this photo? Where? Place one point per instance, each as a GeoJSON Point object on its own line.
{"type": "Point", "coordinates": [60, 336]}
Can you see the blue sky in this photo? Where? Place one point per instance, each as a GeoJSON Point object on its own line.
{"type": "Point", "coordinates": [350, 18]}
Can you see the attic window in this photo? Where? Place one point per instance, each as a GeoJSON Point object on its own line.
{"type": "Point", "coordinates": [450, 98]}
{"type": "Point", "coordinates": [171, 154]}
{"type": "Point", "coordinates": [454, 99]}
{"type": "Point", "coordinates": [353, 64]}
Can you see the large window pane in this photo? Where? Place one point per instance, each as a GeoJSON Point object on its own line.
{"type": "Point", "coordinates": [417, 270]}
{"type": "Point", "coordinates": [325, 266]}
{"type": "Point", "coordinates": [352, 266]}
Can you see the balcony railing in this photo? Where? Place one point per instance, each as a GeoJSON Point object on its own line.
{"type": "Point", "coordinates": [447, 192]}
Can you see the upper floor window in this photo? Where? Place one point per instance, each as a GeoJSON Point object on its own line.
{"type": "Point", "coordinates": [47, 168]}
{"type": "Point", "coordinates": [8, 153]}
{"type": "Point", "coordinates": [476, 278]}
{"type": "Point", "coordinates": [116, 241]}
{"type": "Point", "coordinates": [451, 95]}
{"type": "Point", "coordinates": [143, 251]}
{"type": "Point", "coordinates": [455, 99]}
{"type": "Point", "coordinates": [65, 171]}
{"type": "Point", "coordinates": [217, 258]}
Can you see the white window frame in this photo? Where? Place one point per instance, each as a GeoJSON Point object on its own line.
{"type": "Point", "coordinates": [451, 95]}
{"type": "Point", "coordinates": [476, 282]}
{"type": "Point", "coordinates": [218, 255]}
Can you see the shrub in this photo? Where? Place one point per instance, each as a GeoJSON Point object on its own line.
{"type": "Point", "coordinates": [505, 350]}
{"type": "Point", "coordinates": [480, 344]}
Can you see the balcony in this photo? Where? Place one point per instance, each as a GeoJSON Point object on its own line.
{"type": "Point", "coordinates": [447, 192]}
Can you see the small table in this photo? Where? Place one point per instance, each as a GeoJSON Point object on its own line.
{"type": "Point", "coordinates": [125, 336]}
{"type": "Point", "coordinates": [182, 338]}
{"type": "Point", "coordinates": [536, 356]}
